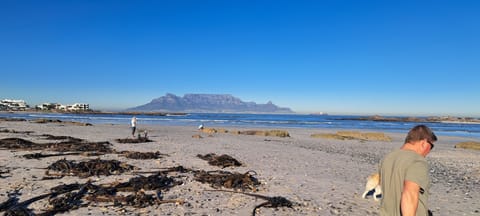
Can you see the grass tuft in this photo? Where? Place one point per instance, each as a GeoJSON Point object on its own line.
{"type": "Point", "coordinates": [468, 145]}
{"type": "Point", "coordinates": [354, 135]}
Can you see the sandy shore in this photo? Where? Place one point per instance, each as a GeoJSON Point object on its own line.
{"type": "Point", "coordinates": [321, 176]}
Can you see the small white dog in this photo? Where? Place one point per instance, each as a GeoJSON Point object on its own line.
{"type": "Point", "coordinates": [373, 183]}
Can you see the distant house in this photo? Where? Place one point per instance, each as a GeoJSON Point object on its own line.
{"type": "Point", "coordinates": [8, 104]}
{"type": "Point", "coordinates": [57, 106]}
{"type": "Point", "coordinates": [49, 106]}
{"type": "Point", "coordinates": [3, 107]}
{"type": "Point", "coordinates": [79, 106]}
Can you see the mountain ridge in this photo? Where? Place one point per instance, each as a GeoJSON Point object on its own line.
{"type": "Point", "coordinates": [224, 103]}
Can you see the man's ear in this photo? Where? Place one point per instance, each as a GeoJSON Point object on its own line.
{"type": "Point", "coordinates": [425, 144]}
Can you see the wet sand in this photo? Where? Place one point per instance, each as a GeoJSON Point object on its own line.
{"type": "Point", "coordinates": [321, 176]}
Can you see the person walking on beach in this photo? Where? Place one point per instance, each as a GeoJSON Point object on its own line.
{"type": "Point", "coordinates": [133, 125]}
{"type": "Point", "coordinates": [404, 175]}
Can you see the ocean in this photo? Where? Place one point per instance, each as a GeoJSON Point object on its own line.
{"type": "Point", "coordinates": [260, 121]}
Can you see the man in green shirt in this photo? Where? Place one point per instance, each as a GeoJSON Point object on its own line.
{"type": "Point", "coordinates": [404, 175]}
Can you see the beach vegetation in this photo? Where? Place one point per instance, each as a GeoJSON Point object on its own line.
{"type": "Point", "coordinates": [468, 145]}
{"type": "Point", "coordinates": [222, 130]}
{"type": "Point", "coordinates": [277, 133]}
{"type": "Point", "coordinates": [354, 135]}
{"type": "Point", "coordinates": [214, 130]}
{"type": "Point", "coordinates": [209, 130]}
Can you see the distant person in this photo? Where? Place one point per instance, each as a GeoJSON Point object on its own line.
{"type": "Point", "coordinates": [133, 125]}
{"type": "Point", "coordinates": [404, 175]}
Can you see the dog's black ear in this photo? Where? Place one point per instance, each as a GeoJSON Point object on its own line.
{"type": "Point", "coordinates": [422, 191]}
{"type": "Point", "coordinates": [430, 213]}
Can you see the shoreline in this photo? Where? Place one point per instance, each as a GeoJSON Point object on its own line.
{"type": "Point", "coordinates": [373, 117]}
{"type": "Point", "coordinates": [392, 124]}
{"type": "Point", "coordinates": [430, 119]}
{"type": "Point", "coordinates": [322, 176]}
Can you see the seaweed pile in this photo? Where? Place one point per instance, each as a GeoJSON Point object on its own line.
{"type": "Point", "coordinates": [89, 168]}
{"type": "Point", "coordinates": [139, 139]}
{"type": "Point", "coordinates": [152, 182]}
{"type": "Point", "coordinates": [68, 200]}
{"type": "Point", "coordinates": [142, 155]}
{"type": "Point", "coordinates": [44, 121]}
{"type": "Point", "coordinates": [3, 170]}
{"type": "Point", "coordinates": [53, 137]}
{"type": "Point", "coordinates": [66, 197]}
{"type": "Point", "coordinates": [60, 203]}
{"type": "Point", "coordinates": [16, 132]}
{"type": "Point", "coordinates": [138, 200]}
{"type": "Point", "coordinates": [67, 145]}
{"type": "Point", "coordinates": [138, 192]}
{"type": "Point", "coordinates": [179, 169]}
{"type": "Point", "coordinates": [12, 119]}
{"type": "Point", "coordinates": [100, 147]}
{"type": "Point", "coordinates": [221, 161]}
{"type": "Point", "coordinates": [137, 185]}
{"type": "Point", "coordinates": [218, 179]}
{"type": "Point", "coordinates": [18, 143]}
{"type": "Point", "coordinates": [42, 155]}
{"type": "Point", "coordinates": [270, 202]}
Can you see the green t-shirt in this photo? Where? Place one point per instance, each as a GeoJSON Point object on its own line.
{"type": "Point", "coordinates": [395, 168]}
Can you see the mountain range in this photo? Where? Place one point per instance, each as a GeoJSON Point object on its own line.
{"type": "Point", "coordinates": [224, 103]}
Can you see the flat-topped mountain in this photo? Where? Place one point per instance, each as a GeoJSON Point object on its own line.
{"type": "Point", "coordinates": [207, 103]}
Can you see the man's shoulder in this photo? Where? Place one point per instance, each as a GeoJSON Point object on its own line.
{"type": "Point", "coordinates": [403, 155]}
{"type": "Point", "coordinates": [407, 153]}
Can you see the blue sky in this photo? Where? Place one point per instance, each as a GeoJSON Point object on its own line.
{"type": "Point", "coordinates": [337, 56]}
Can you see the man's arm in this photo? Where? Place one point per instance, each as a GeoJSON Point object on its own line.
{"type": "Point", "coordinates": [409, 201]}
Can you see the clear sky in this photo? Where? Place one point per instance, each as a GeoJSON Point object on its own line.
{"type": "Point", "coordinates": [334, 56]}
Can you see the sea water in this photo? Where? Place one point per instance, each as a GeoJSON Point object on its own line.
{"type": "Point", "coordinates": [259, 121]}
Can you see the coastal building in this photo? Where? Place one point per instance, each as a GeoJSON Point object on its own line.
{"type": "Point", "coordinates": [79, 106]}
{"type": "Point", "coordinates": [57, 106]}
{"type": "Point", "coordinates": [15, 105]}
{"type": "Point", "coordinates": [49, 106]}
{"type": "Point", "coordinates": [21, 105]}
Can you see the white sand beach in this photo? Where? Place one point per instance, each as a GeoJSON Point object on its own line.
{"type": "Point", "coordinates": [320, 176]}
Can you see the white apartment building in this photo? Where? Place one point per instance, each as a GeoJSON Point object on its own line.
{"type": "Point", "coordinates": [57, 106]}
{"type": "Point", "coordinates": [49, 106]}
{"type": "Point", "coordinates": [79, 106]}
{"type": "Point", "coordinates": [13, 104]}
